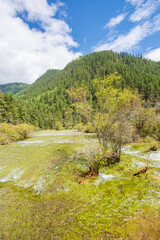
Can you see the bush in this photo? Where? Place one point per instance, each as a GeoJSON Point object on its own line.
{"type": "Point", "coordinates": [149, 139]}
{"type": "Point", "coordinates": [58, 125]}
{"type": "Point", "coordinates": [86, 128]}
{"type": "Point", "coordinates": [79, 127]}
{"type": "Point", "coordinates": [13, 133]}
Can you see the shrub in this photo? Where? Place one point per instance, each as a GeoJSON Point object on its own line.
{"type": "Point", "coordinates": [87, 128]}
{"type": "Point", "coordinates": [13, 133]}
{"type": "Point", "coordinates": [79, 127]}
{"type": "Point", "coordinates": [58, 125]}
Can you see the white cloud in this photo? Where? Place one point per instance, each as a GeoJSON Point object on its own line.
{"type": "Point", "coordinates": [126, 42]}
{"type": "Point", "coordinates": [131, 40]}
{"type": "Point", "coordinates": [145, 11]}
{"type": "Point", "coordinates": [27, 53]}
{"type": "Point", "coordinates": [36, 9]}
{"type": "Point", "coordinates": [135, 2]}
{"type": "Point", "coordinates": [153, 54]}
{"type": "Point", "coordinates": [115, 21]}
{"type": "Point", "coordinates": [148, 19]}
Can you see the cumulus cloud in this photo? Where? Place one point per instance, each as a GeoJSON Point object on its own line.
{"type": "Point", "coordinates": [145, 11]}
{"type": "Point", "coordinates": [153, 54]}
{"type": "Point", "coordinates": [115, 21]}
{"type": "Point", "coordinates": [25, 52]}
{"type": "Point", "coordinates": [129, 41]}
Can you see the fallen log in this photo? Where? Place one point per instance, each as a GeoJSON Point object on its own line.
{"type": "Point", "coordinates": [144, 170]}
{"type": "Point", "coordinates": [154, 148]}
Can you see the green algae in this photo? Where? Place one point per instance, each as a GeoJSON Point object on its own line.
{"type": "Point", "coordinates": [46, 201]}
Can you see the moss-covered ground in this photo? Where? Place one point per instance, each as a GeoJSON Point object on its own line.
{"type": "Point", "coordinates": [40, 197]}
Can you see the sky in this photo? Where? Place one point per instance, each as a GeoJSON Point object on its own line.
{"type": "Point", "coordinates": [37, 35]}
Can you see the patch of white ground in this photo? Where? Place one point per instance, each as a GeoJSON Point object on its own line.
{"type": "Point", "coordinates": [152, 157]}
{"type": "Point", "coordinates": [102, 177]}
{"type": "Point", "coordinates": [13, 175]}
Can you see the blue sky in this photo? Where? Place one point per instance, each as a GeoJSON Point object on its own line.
{"type": "Point", "coordinates": [97, 23]}
{"type": "Point", "coordinates": [87, 19]}
{"type": "Point", "coordinates": [37, 35]}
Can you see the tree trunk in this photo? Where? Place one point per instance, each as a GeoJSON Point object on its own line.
{"type": "Point", "coordinates": [120, 150]}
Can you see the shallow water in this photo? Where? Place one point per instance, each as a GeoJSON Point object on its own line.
{"type": "Point", "coordinates": [32, 163]}
{"type": "Point", "coordinates": [57, 133]}
{"type": "Point", "coordinates": [155, 156]}
{"type": "Point", "coordinates": [40, 197]}
{"type": "Point", "coordinates": [24, 163]}
{"type": "Point", "coordinates": [152, 157]}
{"type": "Point", "coordinates": [14, 175]}
{"type": "Point", "coordinates": [104, 177]}
{"type": "Point", "coordinates": [43, 138]}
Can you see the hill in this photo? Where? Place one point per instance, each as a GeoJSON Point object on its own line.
{"type": "Point", "coordinates": [136, 72]}
{"type": "Point", "coordinates": [13, 87]}
{"type": "Point", "coordinates": [47, 103]}
{"type": "Point", "coordinates": [42, 84]}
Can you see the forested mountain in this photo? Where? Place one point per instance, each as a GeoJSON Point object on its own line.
{"type": "Point", "coordinates": [47, 103]}
{"type": "Point", "coordinates": [42, 84]}
{"type": "Point", "coordinates": [13, 87]}
{"type": "Point", "coordinates": [135, 71]}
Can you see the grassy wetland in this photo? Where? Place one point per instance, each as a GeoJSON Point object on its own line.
{"type": "Point", "coordinates": [41, 198]}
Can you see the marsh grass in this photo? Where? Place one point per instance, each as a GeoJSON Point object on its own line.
{"type": "Point", "coordinates": [47, 202]}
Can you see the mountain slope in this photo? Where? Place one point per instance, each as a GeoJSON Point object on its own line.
{"type": "Point", "coordinates": [42, 84]}
{"type": "Point", "coordinates": [13, 87]}
{"type": "Point", "coordinates": [47, 105]}
{"type": "Point", "coordinates": [136, 72]}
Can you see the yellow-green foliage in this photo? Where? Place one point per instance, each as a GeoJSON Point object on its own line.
{"type": "Point", "coordinates": [111, 120]}
{"type": "Point", "coordinates": [147, 122]}
{"type": "Point", "coordinates": [13, 133]}
{"type": "Point", "coordinates": [149, 139]}
{"type": "Point", "coordinates": [79, 126]}
{"type": "Point", "coordinates": [87, 128]}
{"type": "Point", "coordinates": [58, 125]}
